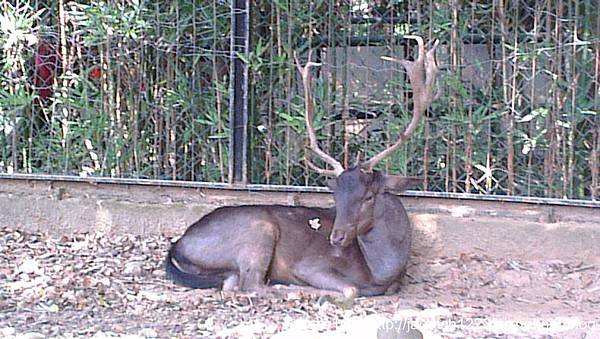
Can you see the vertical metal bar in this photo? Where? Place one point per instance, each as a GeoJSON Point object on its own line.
{"type": "Point", "coordinates": [238, 108]}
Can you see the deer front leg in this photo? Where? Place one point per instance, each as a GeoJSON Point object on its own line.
{"type": "Point", "coordinates": [320, 275]}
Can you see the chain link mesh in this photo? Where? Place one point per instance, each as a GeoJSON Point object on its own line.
{"type": "Point", "coordinates": [140, 89]}
{"type": "Point", "coordinates": [116, 88]}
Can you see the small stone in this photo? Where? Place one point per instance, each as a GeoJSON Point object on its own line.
{"type": "Point", "coordinates": [294, 295]}
{"type": "Point", "coordinates": [514, 278]}
{"type": "Point", "coordinates": [53, 308]}
{"type": "Point", "coordinates": [7, 332]}
{"type": "Point", "coordinates": [133, 268]}
{"type": "Point", "coordinates": [148, 333]}
{"type": "Point", "coordinates": [152, 296]}
{"type": "Point", "coordinates": [32, 335]}
{"type": "Point", "coordinates": [104, 281]}
{"type": "Point", "coordinates": [118, 328]}
{"type": "Point", "coordinates": [29, 266]}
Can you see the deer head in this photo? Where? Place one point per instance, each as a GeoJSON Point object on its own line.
{"type": "Point", "coordinates": [356, 189]}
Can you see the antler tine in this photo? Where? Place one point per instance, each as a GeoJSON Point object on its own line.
{"type": "Point", "coordinates": [308, 118]}
{"type": "Point", "coordinates": [422, 73]}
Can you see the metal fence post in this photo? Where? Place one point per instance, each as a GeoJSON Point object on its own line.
{"type": "Point", "coordinates": [238, 108]}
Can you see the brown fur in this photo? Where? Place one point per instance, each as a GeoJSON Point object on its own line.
{"type": "Point", "coordinates": [360, 248]}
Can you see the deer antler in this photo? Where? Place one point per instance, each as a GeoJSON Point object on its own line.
{"type": "Point", "coordinates": [309, 107]}
{"type": "Point", "coordinates": [422, 73]}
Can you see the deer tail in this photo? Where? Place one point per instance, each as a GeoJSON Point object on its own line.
{"type": "Point", "coordinates": [186, 279]}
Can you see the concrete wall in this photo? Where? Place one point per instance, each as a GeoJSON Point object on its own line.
{"type": "Point", "coordinates": [442, 226]}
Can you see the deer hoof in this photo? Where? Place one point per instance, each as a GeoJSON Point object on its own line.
{"type": "Point", "coordinates": [350, 292]}
{"type": "Point", "coordinates": [231, 283]}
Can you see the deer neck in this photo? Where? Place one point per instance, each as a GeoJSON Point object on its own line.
{"type": "Point", "coordinates": [387, 245]}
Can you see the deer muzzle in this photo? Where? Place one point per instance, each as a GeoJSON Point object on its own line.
{"type": "Point", "coordinates": [341, 237]}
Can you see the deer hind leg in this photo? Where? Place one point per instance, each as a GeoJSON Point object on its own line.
{"type": "Point", "coordinates": [255, 257]}
{"type": "Point", "coordinates": [321, 275]}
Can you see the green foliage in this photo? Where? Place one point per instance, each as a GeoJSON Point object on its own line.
{"type": "Point", "coordinates": [96, 21]}
{"type": "Point", "coordinates": [17, 27]}
{"type": "Point", "coordinates": [141, 88]}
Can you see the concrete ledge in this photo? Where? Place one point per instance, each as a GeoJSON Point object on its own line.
{"type": "Point", "coordinates": [441, 225]}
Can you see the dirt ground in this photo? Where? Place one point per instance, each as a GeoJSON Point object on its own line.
{"type": "Point", "coordinates": [95, 285]}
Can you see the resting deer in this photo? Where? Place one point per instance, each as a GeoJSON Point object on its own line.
{"type": "Point", "coordinates": [358, 247]}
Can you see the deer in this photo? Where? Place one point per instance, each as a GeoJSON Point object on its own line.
{"type": "Point", "coordinates": [358, 247]}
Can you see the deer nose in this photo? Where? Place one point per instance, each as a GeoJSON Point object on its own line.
{"type": "Point", "coordinates": [337, 237]}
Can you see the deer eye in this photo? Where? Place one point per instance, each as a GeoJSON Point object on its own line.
{"type": "Point", "coordinates": [369, 198]}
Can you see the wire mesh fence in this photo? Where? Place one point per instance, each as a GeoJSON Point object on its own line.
{"type": "Point", "coordinates": [115, 88]}
{"type": "Point", "coordinates": [141, 89]}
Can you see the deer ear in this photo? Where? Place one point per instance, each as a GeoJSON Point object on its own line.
{"type": "Point", "coordinates": [331, 183]}
{"type": "Point", "coordinates": [400, 184]}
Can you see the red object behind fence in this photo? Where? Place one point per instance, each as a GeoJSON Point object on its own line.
{"type": "Point", "coordinates": [46, 66]}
